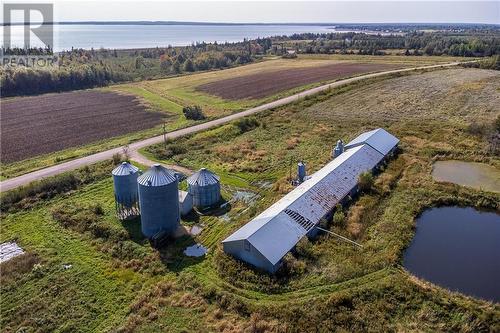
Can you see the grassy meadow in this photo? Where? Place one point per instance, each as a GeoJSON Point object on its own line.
{"type": "Point", "coordinates": [118, 283]}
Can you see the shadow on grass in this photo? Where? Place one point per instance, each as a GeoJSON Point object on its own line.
{"type": "Point", "coordinates": [172, 254]}
{"type": "Point", "coordinates": [221, 208]}
{"type": "Point", "coordinates": [133, 227]}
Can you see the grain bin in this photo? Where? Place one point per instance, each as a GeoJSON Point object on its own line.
{"type": "Point", "coordinates": [125, 184]}
{"type": "Point", "coordinates": [301, 171]}
{"type": "Point", "coordinates": [204, 186]}
{"type": "Point", "coordinates": [159, 201]}
{"type": "Point", "coordinates": [339, 149]}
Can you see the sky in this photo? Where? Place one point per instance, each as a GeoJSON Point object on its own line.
{"type": "Point", "coordinates": [278, 11]}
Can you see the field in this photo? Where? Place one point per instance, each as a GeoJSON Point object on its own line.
{"type": "Point", "coordinates": [168, 96]}
{"type": "Point", "coordinates": [44, 124]}
{"type": "Point", "coordinates": [266, 84]}
{"type": "Point", "coordinates": [117, 282]}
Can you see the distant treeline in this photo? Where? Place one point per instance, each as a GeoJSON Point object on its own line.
{"type": "Point", "coordinates": [476, 43]}
{"type": "Point", "coordinates": [81, 69]}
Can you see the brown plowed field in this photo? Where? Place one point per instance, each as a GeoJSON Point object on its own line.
{"type": "Point", "coordinates": [269, 83]}
{"type": "Point", "coordinates": [43, 124]}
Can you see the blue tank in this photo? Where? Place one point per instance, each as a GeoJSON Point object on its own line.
{"type": "Point", "coordinates": [125, 185]}
{"type": "Point", "coordinates": [301, 171]}
{"type": "Point", "coordinates": [339, 149]}
{"type": "Point", "coordinates": [204, 186]}
{"type": "Point", "coordinates": [159, 201]}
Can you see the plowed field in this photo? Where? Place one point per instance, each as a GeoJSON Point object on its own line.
{"type": "Point", "coordinates": [269, 83]}
{"type": "Point", "coordinates": [38, 125]}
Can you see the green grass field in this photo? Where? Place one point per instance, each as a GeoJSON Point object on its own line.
{"type": "Point", "coordinates": [117, 282]}
{"type": "Point", "coordinates": [170, 95]}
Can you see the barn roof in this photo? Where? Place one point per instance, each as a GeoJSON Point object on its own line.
{"type": "Point", "coordinates": [277, 230]}
{"type": "Point", "coordinates": [379, 139]}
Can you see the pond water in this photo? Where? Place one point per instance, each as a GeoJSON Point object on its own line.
{"type": "Point", "coordinates": [459, 249]}
{"type": "Point", "coordinates": [472, 174]}
{"type": "Point", "coordinates": [196, 250]}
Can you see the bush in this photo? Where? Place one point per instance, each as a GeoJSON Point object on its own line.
{"type": "Point", "coordinates": [246, 124]}
{"type": "Point", "coordinates": [193, 112]}
{"type": "Point", "coordinates": [117, 158]}
{"type": "Point", "coordinates": [339, 216]}
{"type": "Point", "coordinates": [365, 181]}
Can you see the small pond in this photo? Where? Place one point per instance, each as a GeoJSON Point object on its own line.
{"type": "Point", "coordinates": [196, 250]}
{"type": "Point", "coordinates": [472, 174]}
{"type": "Point", "coordinates": [459, 249]}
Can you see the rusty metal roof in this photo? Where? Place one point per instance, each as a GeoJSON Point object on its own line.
{"type": "Point", "coordinates": [277, 230]}
{"type": "Point", "coordinates": [379, 139]}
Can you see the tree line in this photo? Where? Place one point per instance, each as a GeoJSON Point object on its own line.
{"type": "Point", "coordinates": [482, 43]}
{"type": "Point", "coordinates": [82, 69]}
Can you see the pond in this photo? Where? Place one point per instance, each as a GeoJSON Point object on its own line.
{"type": "Point", "coordinates": [459, 249]}
{"type": "Point", "coordinates": [472, 174]}
{"type": "Point", "coordinates": [196, 250]}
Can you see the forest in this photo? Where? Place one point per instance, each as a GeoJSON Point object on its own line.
{"type": "Point", "coordinates": [476, 43]}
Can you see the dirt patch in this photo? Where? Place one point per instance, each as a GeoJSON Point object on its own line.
{"type": "Point", "coordinates": [269, 83]}
{"type": "Point", "coordinates": [44, 124]}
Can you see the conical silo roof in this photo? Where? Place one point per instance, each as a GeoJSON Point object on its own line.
{"type": "Point", "coordinates": [124, 169]}
{"type": "Point", "coordinates": [157, 175]}
{"type": "Point", "coordinates": [203, 177]}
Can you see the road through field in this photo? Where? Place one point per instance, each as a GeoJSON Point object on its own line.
{"type": "Point", "coordinates": [133, 147]}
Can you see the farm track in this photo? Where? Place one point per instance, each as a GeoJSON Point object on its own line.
{"type": "Point", "coordinates": [44, 124]}
{"type": "Point", "coordinates": [269, 83]}
{"type": "Point", "coordinates": [94, 158]}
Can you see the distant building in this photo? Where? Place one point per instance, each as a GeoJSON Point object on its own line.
{"type": "Point", "coordinates": [266, 239]}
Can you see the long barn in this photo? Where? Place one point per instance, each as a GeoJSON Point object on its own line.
{"type": "Point", "coordinates": [266, 239]}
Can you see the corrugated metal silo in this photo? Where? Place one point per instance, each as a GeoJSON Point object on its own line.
{"type": "Point", "coordinates": [301, 171]}
{"type": "Point", "coordinates": [204, 186]}
{"type": "Point", "coordinates": [159, 201]}
{"type": "Point", "coordinates": [125, 184]}
{"type": "Point", "coordinates": [339, 149]}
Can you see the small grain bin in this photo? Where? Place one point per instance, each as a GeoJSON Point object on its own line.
{"type": "Point", "coordinates": [204, 186]}
{"type": "Point", "coordinates": [339, 149]}
{"type": "Point", "coordinates": [159, 201]}
{"type": "Point", "coordinates": [125, 185]}
{"type": "Point", "coordinates": [301, 171]}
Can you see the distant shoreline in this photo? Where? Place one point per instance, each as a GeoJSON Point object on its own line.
{"type": "Point", "coordinates": [256, 24]}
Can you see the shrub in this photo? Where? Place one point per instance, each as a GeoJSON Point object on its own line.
{"type": "Point", "coordinates": [193, 112]}
{"type": "Point", "coordinates": [246, 124]}
{"type": "Point", "coordinates": [173, 150]}
{"type": "Point", "coordinates": [339, 216]}
{"type": "Point", "coordinates": [117, 158]}
{"type": "Point", "coordinates": [365, 181]}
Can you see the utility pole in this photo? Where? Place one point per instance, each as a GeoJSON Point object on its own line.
{"type": "Point", "coordinates": [165, 135]}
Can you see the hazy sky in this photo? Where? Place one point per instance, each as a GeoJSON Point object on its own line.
{"type": "Point", "coordinates": [279, 11]}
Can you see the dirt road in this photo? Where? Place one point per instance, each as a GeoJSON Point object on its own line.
{"type": "Point", "coordinates": [80, 162]}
